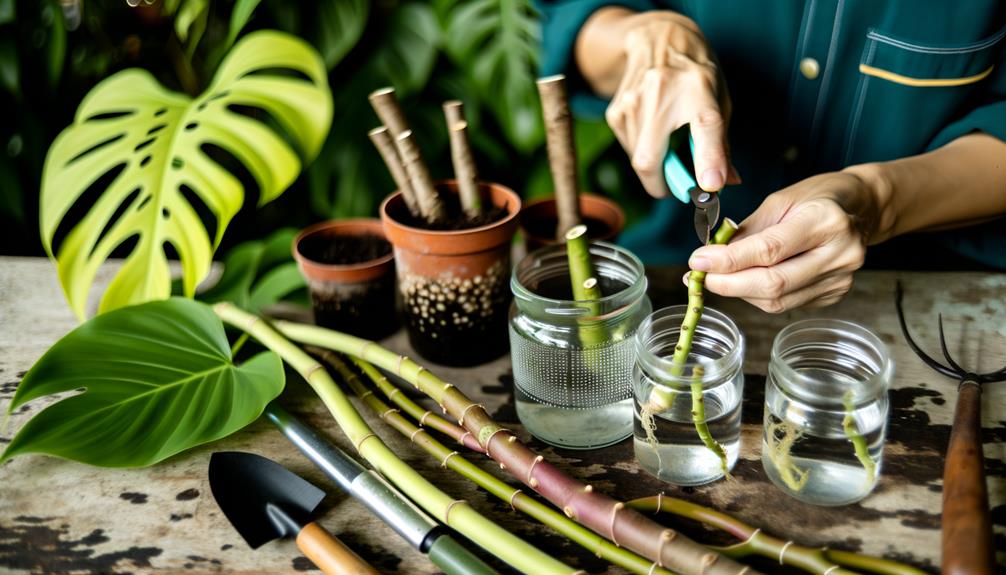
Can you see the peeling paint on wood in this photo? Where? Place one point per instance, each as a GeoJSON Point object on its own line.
{"type": "Point", "coordinates": [60, 517]}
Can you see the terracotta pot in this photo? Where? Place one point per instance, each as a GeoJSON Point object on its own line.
{"type": "Point", "coordinates": [354, 298]}
{"type": "Point", "coordinates": [455, 284]}
{"type": "Point", "coordinates": [604, 219]}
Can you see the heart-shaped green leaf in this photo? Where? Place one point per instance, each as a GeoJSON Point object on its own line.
{"type": "Point", "coordinates": [153, 144]}
{"type": "Point", "coordinates": [158, 378]}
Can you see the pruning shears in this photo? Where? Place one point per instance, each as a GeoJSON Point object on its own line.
{"type": "Point", "coordinates": [681, 181]}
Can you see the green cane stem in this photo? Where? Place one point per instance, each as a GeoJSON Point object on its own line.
{"type": "Point", "coordinates": [457, 514]}
{"type": "Point", "coordinates": [457, 463]}
{"type": "Point", "coordinates": [585, 286]}
{"type": "Point", "coordinates": [857, 439]}
{"type": "Point", "coordinates": [754, 541]}
{"type": "Point", "coordinates": [661, 399]}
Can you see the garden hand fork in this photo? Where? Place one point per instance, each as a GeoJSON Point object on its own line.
{"type": "Point", "coordinates": [967, 528]}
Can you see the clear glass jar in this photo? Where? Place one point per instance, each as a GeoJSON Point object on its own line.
{"type": "Point", "coordinates": [673, 439]}
{"type": "Point", "coordinates": [572, 360]}
{"type": "Point", "coordinates": [826, 411]}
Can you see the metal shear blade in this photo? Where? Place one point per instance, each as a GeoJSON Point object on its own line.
{"type": "Point", "coordinates": [707, 212]}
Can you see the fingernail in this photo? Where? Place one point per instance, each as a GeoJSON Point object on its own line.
{"type": "Point", "coordinates": [700, 264]}
{"type": "Point", "coordinates": [684, 278]}
{"type": "Point", "coordinates": [711, 180]}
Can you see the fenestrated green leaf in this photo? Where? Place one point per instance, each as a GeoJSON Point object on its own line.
{"type": "Point", "coordinates": [258, 273]}
{"type": "Point", "coordinates": [157, 138]}
{"type": "Point", "coordinates": [158, 379]}
{"type": "Point", "coordinates": [497, 42]}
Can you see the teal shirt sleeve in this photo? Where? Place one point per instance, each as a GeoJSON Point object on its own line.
{"type": "Point", "coordinates": [986, 242]}
{"type": "Point", "coordinates": [561, 22]}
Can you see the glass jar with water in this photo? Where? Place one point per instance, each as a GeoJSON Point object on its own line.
{"type": "Point", "coordinates": [826, 411]}
{"type": "Point", "coordinates": [572, 360]}
{"type": "Point", "coordinates": [688, 417]}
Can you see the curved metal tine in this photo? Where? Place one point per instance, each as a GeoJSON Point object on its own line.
{"type": "Point", "coordinates": [946, 352]}
{"type": "Point", "coordinates": [899, 293]}
{"type": "Point", "coordinates": [994, 376]}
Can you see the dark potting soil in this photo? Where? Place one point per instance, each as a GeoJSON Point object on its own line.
{"type": "Point", "coordinates": [545, 227]}
{"type": "Point", "coordinates": [559, 287]}
{"type": "Point", "coordinates": [343, 250]}
{"type": "Point", "coordinates": [365, 309]}
{"type": "Point", "coordinates": [456, 218]}
{"type": "Point", "coordinates": [456, 321]}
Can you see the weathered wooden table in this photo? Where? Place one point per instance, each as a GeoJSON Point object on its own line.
{"type": "Point", "coordinates": [62, 517]}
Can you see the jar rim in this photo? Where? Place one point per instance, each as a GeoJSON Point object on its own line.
{"type": "Point", "coordinates": [803, 384]}
{"type": "Point", "coordinates": [614, 301]}
{"type": "Point", "coordinates": [715, 370]}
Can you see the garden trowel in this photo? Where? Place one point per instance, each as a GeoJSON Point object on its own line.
{"type": "Point", "coordinates": [265, 501]}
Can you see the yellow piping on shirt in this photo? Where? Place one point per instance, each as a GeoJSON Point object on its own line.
{"type": "Point", "coordinates": [923, 82]}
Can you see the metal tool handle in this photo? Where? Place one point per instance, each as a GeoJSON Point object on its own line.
{"type": "Point", "coordinates": [330, 554]}
{"type": "Point", "coordinates": [377, 494]}
{"type": "Point", "coordinates": [967, 528]}
{"type": "Point", "coordinates": [454, 559]}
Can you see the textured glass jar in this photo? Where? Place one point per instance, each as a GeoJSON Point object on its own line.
{"type": "Point", "coordinates": [669, 437]}
{"type": "Point", "coordinates": [826, 411]}
{"type": "Point", "coordinates": [572, 360]}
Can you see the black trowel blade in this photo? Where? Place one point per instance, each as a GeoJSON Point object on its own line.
{"type": "Point", "coordinates": [262, 499]}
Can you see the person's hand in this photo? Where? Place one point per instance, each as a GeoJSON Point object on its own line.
{"type": "Point", "coordinates": [799, 248]}
{"type": "Point", "coordinates": [671, 79]}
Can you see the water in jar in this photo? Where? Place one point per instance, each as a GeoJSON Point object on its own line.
{"type": "Point", "coordinates": [567, 394]}
{"type": "Point", "coordinates": [675, 452]}
{"type": "Point", "coordinates": [823, 456]}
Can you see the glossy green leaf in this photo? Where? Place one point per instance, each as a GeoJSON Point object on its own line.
{"type": "Point", "coordinates": [7, 11]}
{"type": "Point", "coordinates": [157, 139]}
{"type": "Point", "coordinates": [497, 43]}
{"type": "Point", "coordinates": [408, 49]}
{"type": "Point", "coordinates": [10, 74]}
{"type": "Point", "coordinates": [258, 273]}
{"type": "Point", "coordinates": [339, 25]}
{"type": "Point", "coordinates": [188, 15]}
{"type": "Point", "coordinates": [157, 379]}
{"type": "Point", "coordinates": [242, 12]}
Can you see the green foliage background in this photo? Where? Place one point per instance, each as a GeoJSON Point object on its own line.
{"type": "Point", "coordinates": [481, 51]}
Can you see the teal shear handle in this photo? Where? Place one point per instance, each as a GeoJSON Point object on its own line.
{"type": "Point", "coordinates": [679, 178]}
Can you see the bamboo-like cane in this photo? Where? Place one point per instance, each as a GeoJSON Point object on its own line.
{"type": "Point", "coordinates": [465, 171]}
{"type": "Point", "coordinates": [660, 398]}
{"type": "Point", "coordinates": [385, 103]}
{"type": "Point", "coordinates": [381, 137]}
{"type": "Point", "coordinates": [561, 151]}
{"type": "Point", "coordinates": [455, 513]}
{"type": "Point", "coordinates": [602, 514]}
{"type": "Point", "coordinates": [585, 289]}
{"type": "Point", "coordinates": [754, 541]}
{"type": "Point", "coordinates": [426, 194]}
{"type": "Point", "coordinates": [457, 463]}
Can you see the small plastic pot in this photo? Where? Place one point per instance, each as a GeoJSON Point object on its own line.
{"type": "Point", "coordinates": [538, 219]}
{"type": "Point", "coordinates": [358, 298]}
{"type": "Point", "coordinates": [455, 284]}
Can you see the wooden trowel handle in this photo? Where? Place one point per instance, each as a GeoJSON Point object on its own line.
{"type": "Point", "coordinates": [967, 530]}
{"type": "Point", "coordinates": [330, 554]}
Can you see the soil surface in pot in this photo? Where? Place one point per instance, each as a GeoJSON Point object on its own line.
{"type": "Point", "coordinates": [545, 227]}
{"type": "Point", "coordinates": [343, 250]}
{"type": "Point", "coordinates": [459, 321]}
{"type": "Point", "coordinates": [456, 218]}
{"type": "Point", "coordinates": [560, 288]}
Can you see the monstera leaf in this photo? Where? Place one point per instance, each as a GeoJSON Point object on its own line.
{"type": "Point", "coordinates": [152, 144]}
{"type": "Point", "coordinates": [158, 379]}
{"type": "Point", "coordinates": [497, 42]}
